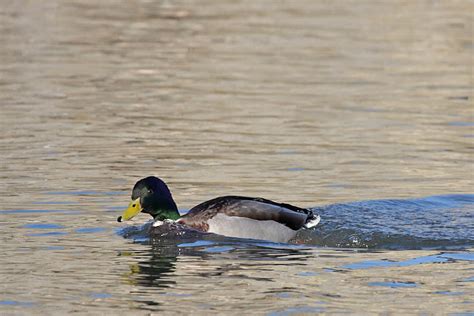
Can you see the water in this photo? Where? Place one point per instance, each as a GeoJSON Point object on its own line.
{"type": "Point", "coordinates": [433, 222]}
{"type": "Point", "coordinates": [358, 110]}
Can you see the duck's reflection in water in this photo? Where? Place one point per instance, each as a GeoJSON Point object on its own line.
{"type": "Point", "coordinates": [173, 246]}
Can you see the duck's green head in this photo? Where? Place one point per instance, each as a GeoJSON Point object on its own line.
{"type": "Point", "coordinates": [151, 195]}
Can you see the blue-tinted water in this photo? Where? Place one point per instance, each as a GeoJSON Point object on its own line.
{"type": "Point", "coordinates": [393, 284]}
{"type": "Point", "coordinates": [438, 258]}
{"type": "Point", "coordinates": [445, 221]}
{"type": "Point", "coordinates": [16, 303]}
{"type": "Point", "coordinates": [43, 226]}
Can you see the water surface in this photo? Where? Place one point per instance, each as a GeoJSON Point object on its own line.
{"type": "Point", "coordinates": [362, 111]}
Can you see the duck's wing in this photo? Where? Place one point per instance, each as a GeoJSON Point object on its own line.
{"type": "Point", "coordinates": [248, 207]}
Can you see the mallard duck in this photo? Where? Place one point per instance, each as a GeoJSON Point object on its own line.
{"type": "Point", "coordinates": [233, 216]}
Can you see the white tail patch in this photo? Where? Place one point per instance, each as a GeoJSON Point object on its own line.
{"type": "Point", "coordinates": [313, 222]}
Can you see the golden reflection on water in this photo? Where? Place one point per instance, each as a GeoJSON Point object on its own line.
{"type": "Point", "coordinates": [304, 102]}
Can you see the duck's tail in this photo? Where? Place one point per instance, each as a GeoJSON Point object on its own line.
{"type": "Point", "coordinates": [313, 220]}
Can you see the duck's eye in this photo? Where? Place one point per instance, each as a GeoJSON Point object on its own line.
{"type": "Point", "coordinates": [133, 205]}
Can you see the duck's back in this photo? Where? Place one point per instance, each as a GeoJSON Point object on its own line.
{"type": "Point", "coordinates": [248, 217]}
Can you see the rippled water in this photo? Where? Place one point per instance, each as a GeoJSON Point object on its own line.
{"type": "Point", "coordinates": [362, 110]}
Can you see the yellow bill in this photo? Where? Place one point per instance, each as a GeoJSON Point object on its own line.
{"type": "Point", "coordinates": [132, 210]}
